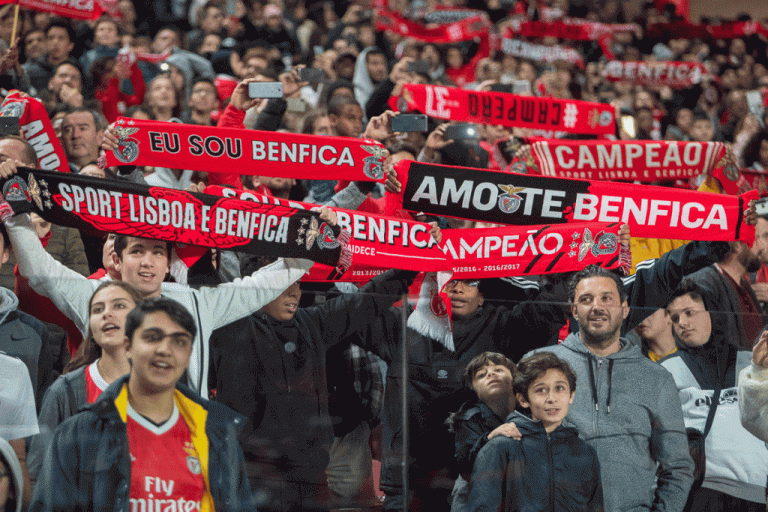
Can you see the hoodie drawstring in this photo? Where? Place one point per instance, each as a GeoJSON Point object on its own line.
{"type": "Point", "coordinates": [594, 384]}
{"type": "Point", "coordinates": [592, 381]}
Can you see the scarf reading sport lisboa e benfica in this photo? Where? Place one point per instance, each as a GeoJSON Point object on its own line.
{"type": "Point", "coordinates": [521, 199]}
{"type": "Point", "coordinates": [253, 152]}
{"type": "Point", "coordinates": [500, 108]}
{"type": "Point", "coordinates": [176, 216]}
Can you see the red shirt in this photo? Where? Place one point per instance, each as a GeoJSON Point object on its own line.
{"type": "Point", "coordinates": [94, 382]}
{"type": "Point", "coordinates": [165, 467]}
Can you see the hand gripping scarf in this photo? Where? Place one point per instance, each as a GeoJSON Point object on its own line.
{"type": "Point", "coordinates": [252, 152]}
{"type": "Point", "coordinates": [176, 216]}
{"type": "Point", "coordinates": [520, 199]}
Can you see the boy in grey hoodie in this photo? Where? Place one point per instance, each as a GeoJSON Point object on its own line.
{"type": "Point", "coordinates": [628, 409]}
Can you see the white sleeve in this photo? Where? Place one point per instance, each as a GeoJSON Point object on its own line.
{"type": "Point", "coordinates": [232, 301]}
{"type": "Point", "coordinates": [753, 400]}
{"type": "Point", "coordinates": [18, 418]}
{"type": "Point", "coordinates": [68, 290]}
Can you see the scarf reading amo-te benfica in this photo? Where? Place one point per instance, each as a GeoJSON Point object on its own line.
{"type": "Point", "coordinates": [176, 216]}
{"type": "Point", "coordinates": [500, 108]}
{"type": "Point", "coordinates": [521, 199]}
{"type": "Point", "coordinates": [252, 152]}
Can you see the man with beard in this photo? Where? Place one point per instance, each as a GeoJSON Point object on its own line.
{"type": "Point", "coordinates": [731, 291]}
{"type": "Point", "coordinates": [628, 410]}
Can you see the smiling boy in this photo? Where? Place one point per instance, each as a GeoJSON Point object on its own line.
{"type": "Point", "coordinates": [550, 464]}
{"type": "Point", "coordinates": [148, 442]}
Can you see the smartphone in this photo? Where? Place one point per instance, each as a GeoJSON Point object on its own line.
{"type": "Point", "coordinates": [501, 88]}
{"type": "Point", "coordinates": [418, 66]}
{"type": "Point", "coordinates": [409, 123]}
{"type": "Point", "coordinates": [461, 131]}
{"type": "Point", "coordinates": [521, 87]}
{"type": "Point", "coordinates": [296, 105]}
{"type": "Point", "coordinates": [311, 75]}
{"type": "Point", "coordinates": [628, 125]}
{"type": "Point", "coordinates": [265, 90]}
{"type": "Point", "coordinates": [9, 125]}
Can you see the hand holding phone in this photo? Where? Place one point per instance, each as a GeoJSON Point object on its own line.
{"type": "Point", "coordinates": [265, 90]}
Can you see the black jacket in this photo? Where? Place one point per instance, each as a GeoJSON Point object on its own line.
{"type": "Point", "coordinates": [471, 426]}
{"type": "Point", "coordinates": [88, 465]}
{"type": "Point", "coordinates": [274, 373]}
{"type": "Point", "coordinates": [555, 472]}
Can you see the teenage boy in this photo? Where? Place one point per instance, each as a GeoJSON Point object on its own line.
{"type": "Point", "coordinates": [148, 442]}
{"type": "Point", "coordinates": [550, 465]}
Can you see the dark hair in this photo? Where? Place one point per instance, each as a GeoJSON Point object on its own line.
{"type": "Point", "coordinates": [130, 111]}
{"type": "Point", "coordinates": [99, 121]}
{"type": "Point", "coordinates": [29, 154]}
{"type": "Point", "coordinates": [752, 148]}
{"type": "Point", "coordinates": [337, 104]}
{"type": "Point", "coordinates": [170, 307]}
{"type": "Point", "coordinates": [533, 367]}
{"type": "Point", "coordinates": [398, 145]}
{"type": "Point", "coordinates": [595, 271]}
{"type": "Point", "coordinates": [100, 69]}
{"type": "Point", "coordinates": [89, 350]}
{"type": "Point", "coordinates": [177, 94]}
{"type": "Point", "coordinates": [62, 23]}
{"type": "Point", "coordinates": [121, 243]}
{"type": "Point", "coordinates": [485, 359]}
{"type": "Point", "coordinates": [204, 80]}
{"type": "Point", "coordinates": [310, 118]}
{"type": "Point", "coordinates": [104, 18]}
{"type": "Point", "coordinates": [690, 287]}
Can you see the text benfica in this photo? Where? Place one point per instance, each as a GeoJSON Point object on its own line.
{"type": "Point", "coordinates": [653, 71]}
{"type": "Point", "coordinates": [587, 207]}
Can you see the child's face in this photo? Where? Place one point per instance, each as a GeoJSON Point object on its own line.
{"type": "Point", "coordinates": [491, 382]}
{"type": "Point", "coordinates": [549, 397]}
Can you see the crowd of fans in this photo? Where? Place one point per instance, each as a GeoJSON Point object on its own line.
{"type": "Point", "coordinates": [568, 392]}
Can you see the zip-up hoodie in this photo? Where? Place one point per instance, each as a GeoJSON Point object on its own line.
{"type": "Point", "coordinates": [13, 466]}
{"type": "Point", "coordinates": [627, 408]}
{"type": "Point", "coordinates": [555, 471]}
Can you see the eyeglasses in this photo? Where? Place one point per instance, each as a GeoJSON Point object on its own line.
{"type": "Point", "coordinates": [204, 91]}
{"type": "Point", "coordinates": [464, 282]}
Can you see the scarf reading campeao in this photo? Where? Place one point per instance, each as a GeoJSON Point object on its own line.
{"type": "Point", "coordinates": [36, 128]}
{"type": "Point", "coordinates": [252, 152]}
{"type": "Point", "coordinates": [678, 75]}
{"type": "Point", "coordinates": [521, 199]}
{"type": "Point", "coordinates": [176, 216]}
{"type": "Point", "coordinates": [640, 160]}
{"type": "Point", "coordinates": [499, 108]}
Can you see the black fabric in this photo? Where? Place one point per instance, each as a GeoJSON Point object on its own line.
{"type": "Point", "coordinates": [471, 426]}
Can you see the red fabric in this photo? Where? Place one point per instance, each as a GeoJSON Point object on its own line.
{"type": "Point", "coordinates": [76, 10]}
{"type": "Point", "coordinates": [511, 110]}
{"type": "Point", "coordinates": [225, 85]}
{"type": "Point", "coordinates": [466, 73]}
{"type": "Point", "coordinates": [42, 307]}
{"type": "Point", "coordinates": [37, 129]}
{"type": "Point", "coordinates": [251, 152]}
{"type": "Point", "coordinates": [539, 52]}
{"type": "Point", "coordinates": [524, 199]}
{"type": "Point", "coordinates": [639, 160]}
{"type": "Point", "coordinates": [678, 75]}
{"type": "Point", "coordinates": [112, 95]}
{"type": "Point", "coordinates": [386, 20]}
{"type": "Point", "coordinates": [687, 30]}
{"type": "Point", "coordinates": [92, 389]}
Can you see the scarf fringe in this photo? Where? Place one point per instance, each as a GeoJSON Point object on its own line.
{"type": "Point", "coordinates": [431, 327]}
{"type": "Point", "coordinates": [345, 258]}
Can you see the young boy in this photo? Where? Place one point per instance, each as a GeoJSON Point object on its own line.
{"type": "Point", "coordinates": [550, 466]}
{"type": "Point", "coordinates": [148, 442]}
{"type": "Point", "coordinates": [491, 376]}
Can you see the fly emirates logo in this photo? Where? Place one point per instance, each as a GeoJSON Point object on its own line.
{"type": "Point", "coordinates": [157, 496]}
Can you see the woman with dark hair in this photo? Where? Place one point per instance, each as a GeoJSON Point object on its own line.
{"type": "Point", "coordinates": [99, 361]}
{"type": "Point", "coordinates": [107, 74]}
{"type": "Point", "coordinates": [756, 151]}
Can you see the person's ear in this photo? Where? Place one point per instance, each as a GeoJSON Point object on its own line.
{"type": "Point", "coordinates": [624, 310]}
{"type": "Point", "coordinates": [255, 182]}
{"type": "Point", "coordinates": [117, 261]}
{"type": "Point", "coordinates": [524, 402]}
{"type": "Point", "coordinates": [6, 254]}
{"type": "Point", "coordinates": [573, 394]}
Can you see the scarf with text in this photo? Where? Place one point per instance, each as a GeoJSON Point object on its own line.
{"type": "Point", "coordinates": [444, 14]}
{"type": "Point", "coordinates": [499, 108]}
{"type": "Point", "coordinates": [482, 253]}
{"type": "Point", "coordinates": [687, 30]}
{"type": "Point", "coordinates": [463, 30]}
{"type": "Point", "coordinates": [190, 218]}
{"type": "Point", "coordinates": [754, 179]}
{"type": "Point", "coordinates": [252, 152]}
{"type": "Point", "coordinates": [83, 10]}
{"type": "Point", "coordinates": [375, 240]}
{"type": "Point", "coordinates": [678, 75]}
{"type": "Point", "coordinates": [36, 128]}
{"type": "Point", "coordinates": [539, 52]}
{"type": "Point", "coordinates": [566, 29]}
{"type": "Point", "coordinates": [640, 160]}
{"type": "Point", "coordinates": [521, 199]}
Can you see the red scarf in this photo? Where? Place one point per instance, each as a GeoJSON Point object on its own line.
{"type": "Point", "coordinates": [88, 10]}
{"type": "Point", "coordinates": [521, 199]}
{"type": "Point", "coordinates": [455, 32]}
{"type": "Point", "coordinates": [567, 29]}
{"type": "Point", "coordinates": [510, 110]}
{"type": "Point", "coordinates": [539, 52]}
{"type": "Point", "coordinates": [36, 128]}
{"type": "Point", "coordinates": [259, 153]}
{"type": "Point", "coordinates": [638, 160]}
{"type": "Point", "coordinates": [466, 73]}
{"type": "Point", "coordinates": [678, 75]}
{"type": "Point", "coordinates": [687, 30]}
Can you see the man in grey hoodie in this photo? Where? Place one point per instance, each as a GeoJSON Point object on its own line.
{"type": "Point", "coordinates": [628, 410]}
